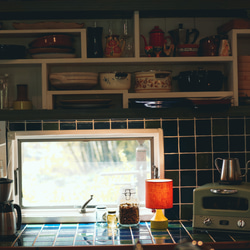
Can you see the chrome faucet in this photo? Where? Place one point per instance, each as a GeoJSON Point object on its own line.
{"type": "Point", "coordinates": [83, 209]}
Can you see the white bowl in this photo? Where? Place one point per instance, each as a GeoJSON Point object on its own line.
{"type": "Point", "coordinates": [115, 81]}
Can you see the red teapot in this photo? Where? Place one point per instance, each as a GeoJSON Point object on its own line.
{"type": "Point", "coordinates": [156, 37]}
{"type": "Point", "coordinates": [158, 41]}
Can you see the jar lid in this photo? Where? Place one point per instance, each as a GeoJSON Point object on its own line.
{"type": "Point", "coordinates": [111, 211]}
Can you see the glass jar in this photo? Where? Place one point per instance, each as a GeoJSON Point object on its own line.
{"type": "Point", "coordinates": [101, 214]}
{"type": "Point", "coordinates": [112, 219]}
{"type": "Point", "coordinates": [128, 208]}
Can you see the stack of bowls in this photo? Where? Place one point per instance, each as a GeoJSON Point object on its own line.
{"type": "Point", "coordinates": [244, 76]}
{"type": "Point", "coordinates": [74, 80]}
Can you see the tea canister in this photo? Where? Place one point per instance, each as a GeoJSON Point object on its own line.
{"type": "Point", "coordinates": [153, 81]}
{"type": "Point", "coordinates": [128, 208]}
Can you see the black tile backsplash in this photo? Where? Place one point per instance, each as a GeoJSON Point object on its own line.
{"type": "Point", "coordinates": [190, 147]}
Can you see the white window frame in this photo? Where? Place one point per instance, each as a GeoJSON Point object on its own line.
{"type": "Point", "coordinates": [74, 215]}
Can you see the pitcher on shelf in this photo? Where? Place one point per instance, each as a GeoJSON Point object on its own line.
{"type": "Point", "coordinates": [114, 46]}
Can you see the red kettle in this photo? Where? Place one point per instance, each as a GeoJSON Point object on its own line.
{"type": "Point", "coordinates": [156, 37]}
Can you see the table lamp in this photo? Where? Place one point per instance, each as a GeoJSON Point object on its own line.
{"type": "Point", "coordinates": [159, 195]}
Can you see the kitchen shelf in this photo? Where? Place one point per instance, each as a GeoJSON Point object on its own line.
{"type": "Point", "coordinates": [138, 62]}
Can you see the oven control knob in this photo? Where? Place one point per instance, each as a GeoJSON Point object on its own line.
{"type": "Point", "coordinates": [207, 221]}
{"type": "Point", "coordinates": [241, 223]}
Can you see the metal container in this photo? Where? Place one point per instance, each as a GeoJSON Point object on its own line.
{"type": "Point", "coordinates": [153, 81]}
{"type": "Point", "coordinates": [5, 189]}
{"type": "Point", "coordinates": [115, 80]}
{"type": "Point", "coordinates": [10, 218]}
{"type": "Point", "coordinates": [200, 80]}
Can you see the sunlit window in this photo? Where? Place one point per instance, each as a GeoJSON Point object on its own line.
{"type": "Point", "coordinates": [66, 173]}
{"type": "Point", "coordinates": [59, 171]}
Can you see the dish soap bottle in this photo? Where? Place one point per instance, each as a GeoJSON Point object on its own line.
{"type": "Point", "coordinates": [128, 208]}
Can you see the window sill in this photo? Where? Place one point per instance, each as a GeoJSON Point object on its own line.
{"type": "Point", "coordinates": [69, 215]}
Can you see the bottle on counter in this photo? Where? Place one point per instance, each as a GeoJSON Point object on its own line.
{"type": "Point", "coordinates": [112, 219]}
{"type": "Point", "coordinates": [4, 91]}
{"type": "Point", "coordinates": [128, 208]}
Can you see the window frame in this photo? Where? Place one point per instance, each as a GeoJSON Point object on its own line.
{"type": "Point", "coordinates": [73, 215]}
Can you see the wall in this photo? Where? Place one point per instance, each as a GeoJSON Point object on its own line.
{"type": "Point", "coordinates": [190, 146]}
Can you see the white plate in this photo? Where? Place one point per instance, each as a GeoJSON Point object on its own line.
{"type": "Point", "coordinates": [73, 85]}
{"type": "Point", "coordinates": [53, 55]}
{"type": "Point", "coordinates": [74, 75]}
{"type": "Point", "coordinates": [86, 103]}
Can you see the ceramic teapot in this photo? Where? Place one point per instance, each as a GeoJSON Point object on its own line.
{"type": "Point", "coordinates": [114, 46]}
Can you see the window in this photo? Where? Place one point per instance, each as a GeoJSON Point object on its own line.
{"type": "Point", "coordinates": [59, 171]}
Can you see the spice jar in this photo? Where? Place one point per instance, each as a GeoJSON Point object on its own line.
{"type": "Point", "coordinates": [128, 208]}
{"type": "Point", "coordinates": [112, 219]}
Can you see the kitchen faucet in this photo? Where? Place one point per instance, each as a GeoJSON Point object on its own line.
{"type": "Point", "coordinates": [83, 209]}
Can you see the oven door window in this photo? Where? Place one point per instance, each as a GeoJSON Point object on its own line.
{"type": "Point", "coordinates": [225, 203]}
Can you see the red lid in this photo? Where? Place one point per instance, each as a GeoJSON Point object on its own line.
{"type": "Point", "coordinates": [156, 29]}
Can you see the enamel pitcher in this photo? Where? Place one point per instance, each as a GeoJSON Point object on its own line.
{"type": "Point", "coordinates": [230, 170]}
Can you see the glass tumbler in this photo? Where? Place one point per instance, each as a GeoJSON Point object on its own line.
{"type": "Point", "coordinates": [101, 215]}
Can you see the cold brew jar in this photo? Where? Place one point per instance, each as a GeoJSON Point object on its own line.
{"type": "Point", "coordinates": [128, 208]}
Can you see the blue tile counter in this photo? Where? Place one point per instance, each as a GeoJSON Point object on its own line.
{"type": "Point", "coordinates": [79, 235]}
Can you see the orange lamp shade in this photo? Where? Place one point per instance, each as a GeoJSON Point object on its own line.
{"type": "Point", "coordinates": [159, 193]}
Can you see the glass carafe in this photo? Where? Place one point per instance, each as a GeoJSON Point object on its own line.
{"type": "Point", "coordinates": [128, 207]}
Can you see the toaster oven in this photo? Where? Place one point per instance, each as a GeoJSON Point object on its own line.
{"type": "Point", "coordinates": [222, 207]}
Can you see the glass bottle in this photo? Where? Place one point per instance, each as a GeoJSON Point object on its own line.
{"type": "Point", "coordinates": [128, 208]}
{"type": "Point", "coordinates": [4, 95]}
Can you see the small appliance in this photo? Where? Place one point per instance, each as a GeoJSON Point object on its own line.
{"type": "Point", "coordinates": [225, 205]}
{"type": "Point", "coordinates": [9, 222]}
{"type": "Point", "coordinates": [222, 207]}
{"type": "Point", "coordinates": [10, 214]}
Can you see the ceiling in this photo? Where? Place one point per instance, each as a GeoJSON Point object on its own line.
{"type": "Point", "coordinates": [71, 9]}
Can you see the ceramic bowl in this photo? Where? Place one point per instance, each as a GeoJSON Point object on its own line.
{"type": "Point", "coordinates": [115, 80]}
{"type": "Point", "coordinates": [54, 40]}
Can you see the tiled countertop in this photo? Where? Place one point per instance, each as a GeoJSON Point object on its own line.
{"type": "Point", "coordinates": [41, 235]}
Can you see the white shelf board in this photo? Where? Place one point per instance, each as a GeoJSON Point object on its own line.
{"type": "Point", "coordinates": [180, 94]}
{"type": "Point", "coordinates": [119, 60]}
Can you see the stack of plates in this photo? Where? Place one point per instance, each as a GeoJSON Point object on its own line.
{"type": "Point", "coordinates": [85, 103]}
{"type": "Point", "coordinates": [74, 80]}
{"type": "Point", "coordinates": [244, 76]}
